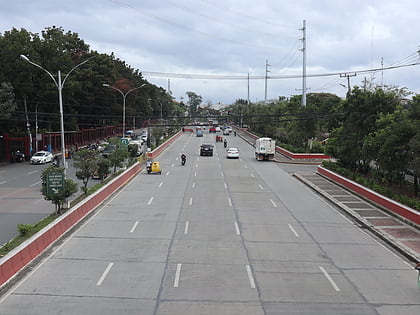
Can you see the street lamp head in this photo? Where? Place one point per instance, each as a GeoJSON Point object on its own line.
{"type": "Point", "coordinates": [23, 57]}
{"type": "Point", "coordinates": [105, 84]}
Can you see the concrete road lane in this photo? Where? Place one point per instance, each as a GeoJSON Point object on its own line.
{"type": "Point", "coordinates": [217, 236]}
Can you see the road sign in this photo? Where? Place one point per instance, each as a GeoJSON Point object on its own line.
{"type": "Point", "coordinates": [55, 183]}
{"type": "Point", "coordinates": [124, 141]}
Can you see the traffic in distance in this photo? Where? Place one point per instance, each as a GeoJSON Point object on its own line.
{"type": "Point", "coordinates": [218, 235]}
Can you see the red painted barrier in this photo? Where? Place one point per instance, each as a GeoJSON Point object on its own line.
{"type": "Point", "coordinates": [397, 208]}
{"type": "Point", "coordinates": [295, 156]}
{"type": "Point", "coordinates": [18, 258]}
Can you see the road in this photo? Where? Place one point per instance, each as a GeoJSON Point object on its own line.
{"type": "Point", "coordinates": [21, 201]}
{"type": "Point", "coordinates": [218, 236]}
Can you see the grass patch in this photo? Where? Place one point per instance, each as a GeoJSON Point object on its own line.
{"type": "Point", "coordinates": [26, 231]}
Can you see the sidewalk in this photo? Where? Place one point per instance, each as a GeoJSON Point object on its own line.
{"type": "Point", "coordinates": [403, 236]}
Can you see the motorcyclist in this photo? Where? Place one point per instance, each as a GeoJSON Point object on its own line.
{"type": "Point", "coordinates": [149, 165]}
{"type": "Point", "coordinates": [225, 143]}
{"type": "Point", "coordinates": [183, 158]}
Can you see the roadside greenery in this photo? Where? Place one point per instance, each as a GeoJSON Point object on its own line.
{"type": "Point", "coordinates": [374, 133]}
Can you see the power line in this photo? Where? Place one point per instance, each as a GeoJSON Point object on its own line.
{"type": "Point", "coordinates": [262, 77]}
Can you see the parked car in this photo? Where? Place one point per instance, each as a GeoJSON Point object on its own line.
{"type": "Point", "coordinates": [232, 153]}
{"type": "Point", "coordinates": [108, 150]}
{"type": "Point", "coordinates": [42, 157]}
{"type": "Point", "coordinates": [206, 149]}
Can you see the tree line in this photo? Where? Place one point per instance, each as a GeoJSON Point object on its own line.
{"type": "Point", "coordinates": [87, 103]}
{"type": "Point", "coordinates": [373, 131]}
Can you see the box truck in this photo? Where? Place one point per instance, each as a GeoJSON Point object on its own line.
{"type": "Point", "coordinates": [265, 149]}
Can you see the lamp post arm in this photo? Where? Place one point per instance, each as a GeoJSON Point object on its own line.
{"type": "Point", "coordinates": [45, 70]}
{"type": "Point", "coordinates": [136, 88]}
{"type": "Point", "coordinates": [75, 67]}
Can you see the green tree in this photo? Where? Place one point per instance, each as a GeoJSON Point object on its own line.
{"type": "Point", "coordinates": [70, 188]}
{"type": "Point", "coordinates": [85, 163]}
{"type": "Point", "coordinates": [194, 100]}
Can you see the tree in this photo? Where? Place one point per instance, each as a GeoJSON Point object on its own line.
{"type": "Point", "coordinates": [194, 100]}
{"type": "Point", "coordinates": [360, 112]}
{"type": "Point", "coordinates": [85, 162]}
{"type": "Point", "coordinates": [70, 188]}
{"type": "Point", "coordinates": [7, 101]}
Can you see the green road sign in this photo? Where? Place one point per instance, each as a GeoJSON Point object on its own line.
{"type": "Point", "coordinates": [124, 141]}
{"type": "Point", "coordinates": [55, 183]}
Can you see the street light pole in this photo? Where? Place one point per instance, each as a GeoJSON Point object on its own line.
{"type": "Point", "coordinates": [59, 86]}
{"type": "Point", "coordinates": [161, 106]}
{"type": "Point", "coordinates": [124, 95]}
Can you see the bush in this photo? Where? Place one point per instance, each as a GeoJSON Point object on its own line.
{"type": "Point", "coordinates": [25, 229]}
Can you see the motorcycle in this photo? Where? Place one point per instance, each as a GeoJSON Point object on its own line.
{"type": "Point", "coordinates": [18, 157]}
{"type": "Point", "coordinates": [183, 160]}
{"type": "Point", "coordinates": [225, 143]}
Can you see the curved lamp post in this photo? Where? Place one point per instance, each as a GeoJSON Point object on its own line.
{"type": "Point", "coordinates": [124, 95]}
{"type": "Point", "coordinates": [59, 84]}
{"type": "Point", "coordinates": [161, 106]}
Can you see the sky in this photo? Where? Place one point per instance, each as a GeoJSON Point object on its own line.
{"type": "Point", "coordinates": [211, 46]}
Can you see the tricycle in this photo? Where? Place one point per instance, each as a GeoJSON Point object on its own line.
{"type": "Point", "coordinates": [154, 168]}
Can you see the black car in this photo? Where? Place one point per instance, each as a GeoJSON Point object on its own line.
{"type": "Point", "coordinates": [206, 149]}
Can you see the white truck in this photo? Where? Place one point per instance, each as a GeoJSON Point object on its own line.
{"type": "Point", "coordinates": [265, 149]}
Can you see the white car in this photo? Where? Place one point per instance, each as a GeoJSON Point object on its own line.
{"type": "Point", "coordinates": [232, 153]}
{"type": "Point", "coordinates": [42, 157]}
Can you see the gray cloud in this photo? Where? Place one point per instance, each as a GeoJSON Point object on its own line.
{"type": "Point", "coordinates": [236, 37]}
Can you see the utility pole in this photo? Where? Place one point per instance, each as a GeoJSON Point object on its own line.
{"type": "Point", "coordinates": [247, 100]}
{"type": "Point", "coordinates": [303, 29]}
{"type": "Point", "coordinates": [348, 75]}
{"type": "Point", "coordinates": [266, 79]}
{"type": "Point", "coordinates": [28, 127]}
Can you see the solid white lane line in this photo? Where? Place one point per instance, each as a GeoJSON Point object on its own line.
{"type": "Point", "coordinates": [33, 172]}
{"type": "Point", "coordinates": [261, 187]}
{"type": "Point", "coordinates": [107, 270]}
{"type": "Point", "coordinates": [34, 184]}
{"type": "Point", "coordinates": [230, 202]}
{"type": "Point", "coordinates": [160, 185]}
{"type": "Point", "coordinates": [252, 175]}
{"type": "Point", "coordinates": [187, 224]}
{"type": "Point", "coordinates": [336, 288]}
{"type": "Point", "coordinates": [250, 277]}
{"type": "Point", "coordinates": [238, 232]}
{"type": "Point", "coordinates": [150, 201]}
{"type": "Point", "coordinates": [3, 182]}
{"type": "Point", "coordinates": [293, 230]}
{"type": "Point", "coordinates": [190, 203]}
{"type": "Point", "coordinates": [134, 226]}
{"type": "Point", "coordinates": [177, 275]}
{"type": "Point", "coordinates": [274, 204]}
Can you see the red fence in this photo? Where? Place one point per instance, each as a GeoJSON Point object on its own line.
{"type": "Point", "coordinates": [52, 140]}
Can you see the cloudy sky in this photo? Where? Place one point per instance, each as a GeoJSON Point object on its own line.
{"type": "Point", "coordinates": [210, 46]}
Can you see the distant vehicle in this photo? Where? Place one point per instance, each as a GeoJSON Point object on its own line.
{"type": "Point", "coordinates": [108, 150]}
{"type": "Point", "coordinates": [212, 129]}
{"type": "Point", "coordinates": [199, 133]}
{"type": "Point", "coordinates": [232, 153]}
{"type": "Point", "coordinates": [42, 157]}
{"type": "Point", "coordinates": [139, 144]}
{"type": "Point", "coordinates": [265, 149]}
{"type": "Point", "coordinates": [226, 132]}
{"type": "Point", "coordinates": [218, 129]}
{"type": "Point", "coordinates": [206, 149]}
{"type": "Point", "coordinates": [154, 168]}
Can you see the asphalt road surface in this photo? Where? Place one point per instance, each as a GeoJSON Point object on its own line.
{"type": "Point", "coordinates": [21, 201]}
{"type": "Point", "coordinates": [217, 236]}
